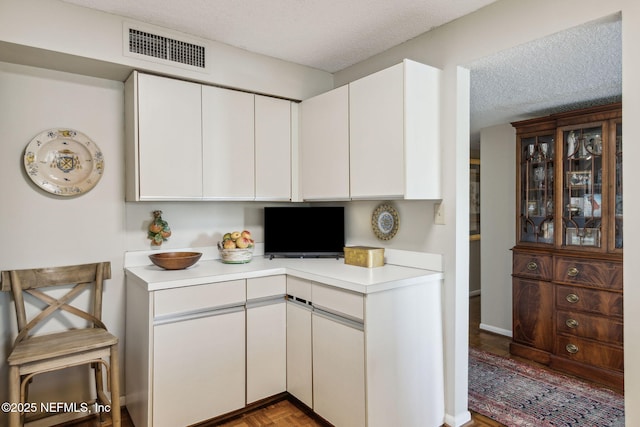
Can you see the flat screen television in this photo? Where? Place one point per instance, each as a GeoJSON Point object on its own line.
{"type": "Point", "coordinates": [304, 232]}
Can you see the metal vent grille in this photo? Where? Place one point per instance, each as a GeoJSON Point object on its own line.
{"type": "Point", "coordinates": [148, 44]}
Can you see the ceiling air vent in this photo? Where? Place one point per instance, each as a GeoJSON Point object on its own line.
{"type": "Point", "coordinates": [165, 48]}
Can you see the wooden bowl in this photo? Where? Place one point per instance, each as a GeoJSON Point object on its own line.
{"type": "Point", "coordinates": [175, 260]}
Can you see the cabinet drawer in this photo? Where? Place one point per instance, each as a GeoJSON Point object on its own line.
{"type": "Point", "coordinates": [201, 297]}
{"type": "Point", "coordinates": [268, 286]}
{"type": "Point", "coordinates": [588, 326]}
{"type": "Point", "coordinates": [299, 288]}
{"type": "Point", "coordinates": [339, 301]}
{"type": "Point", "coordinates": [590, 352]}
{"type": "Point", "coordinates": [532, 265]}
{"type": "Point", "coordinates": [601, 274]}
{"type": "Point", "coordinates": [573, 298]}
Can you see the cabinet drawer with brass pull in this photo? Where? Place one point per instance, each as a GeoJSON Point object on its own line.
{"type": "Point", "coordinates": [594, 353]}
{"type": "Point", "coordinates": [532, 265]}
{"type": "Point", "coordinates": [589, 326]}
{"type": "Point", "coordinates": [573, 298]}
{"type": "Point", "coordinates": [601, 274]}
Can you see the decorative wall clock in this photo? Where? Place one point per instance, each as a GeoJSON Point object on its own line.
{"type": "Point", "coordinates": [385, 222]}
{"type": "Point", "coordinates": [64, 162]}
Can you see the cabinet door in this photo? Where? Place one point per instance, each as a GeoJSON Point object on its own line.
{"type": "Point", "coordinates": [584, 196]}
{"type": "Point", "coordinates": [338, 371]}
{"type": "Point", "coordinates": [227, 144]}
{"type": "Point", "coordinates": [376, 118]}
{"type": "Point", "coordinates": [533, 313]}
{"type": "Point", "coordinates": [273, 148]}
{"type": "Point", "coordinates": [169, 139]}
{"type": "Point", "coordinates": [299, 369]}
{"type": "Point", "coordinates": [266, 350]}
{"type": "Point", "coordinates": [199, 368]}
{"type": "Point", "coordinates": [324, 146]}
{"type": "Point", "coordinates": [615, 177]}
{"type": "Point", "coordinates": [536, 185]}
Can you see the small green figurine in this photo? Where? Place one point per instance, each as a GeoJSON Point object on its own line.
{"type": "Point", "coordinates": [159, 230]}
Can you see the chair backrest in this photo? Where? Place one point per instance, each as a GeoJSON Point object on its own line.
{"type": "Point", "coordinates": [31, 281]}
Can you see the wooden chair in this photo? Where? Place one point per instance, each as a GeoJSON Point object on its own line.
{"type": "Point", "coordinates": [35, 353]}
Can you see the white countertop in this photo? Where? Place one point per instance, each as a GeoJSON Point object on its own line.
{"type": "Point", "coordinates": [329, 271]}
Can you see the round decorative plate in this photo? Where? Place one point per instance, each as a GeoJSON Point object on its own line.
{"type": "Point", "coordinates": [385, 222]}
{"type": "Point", "coordinates": [63, 162]}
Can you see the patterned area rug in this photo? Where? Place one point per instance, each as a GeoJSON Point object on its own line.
{"type": "Point", "coordinates": [518, 394]}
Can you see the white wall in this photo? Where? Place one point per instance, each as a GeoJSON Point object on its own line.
{"type": "Point", "coordinates": [488, 31]}
{"type": "Point", "coordinates": [38, 229]}
{"type": "Point", "coordinates": [497, 186]}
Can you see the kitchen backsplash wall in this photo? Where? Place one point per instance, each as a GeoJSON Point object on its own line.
{"type": "Point", "coordinates": [198, 224]}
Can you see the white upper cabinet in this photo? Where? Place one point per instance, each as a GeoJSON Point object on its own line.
{"type": "Point", "coordinates": [164, 151]}
{"type": "Point", "coordinates": [228, 144]}
{"type": "Point", "coordinates": [187, 141]}
{"type": "Point", "coordinates": [272, 148]}
{"type": "Point", "coordinates": [324, 146]}
{"type": "Point", "coordinates": [394, 136]}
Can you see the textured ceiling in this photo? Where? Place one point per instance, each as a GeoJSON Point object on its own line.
{"type": "Point", "coordinates": [578, 67]}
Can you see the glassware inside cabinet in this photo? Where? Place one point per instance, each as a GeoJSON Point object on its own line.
{"type": "Point", "coordinates": [582, 187]}
{"type": "Point", "coordinates": [617, 188]}
{"type": "Point", "coordinates": [536, 198]}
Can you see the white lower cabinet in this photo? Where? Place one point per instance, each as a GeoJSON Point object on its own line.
{"type": "Point", "coordinates": [195, 352]}
{"type": "Point", "coordinates": [338, 370]}
{"type": "Point", "coordinates": [266, 337]}
{"type": "Point", "coordinates": [299, 373]}
{"type": "Point", "coordinates": [199, 368]}
{"type": "Point", "coordinates": [185, 355]}
{"type": "Point", "coordinates": [299, 356]}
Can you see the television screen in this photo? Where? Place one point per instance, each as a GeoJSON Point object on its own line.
{"type": "Point", "coordinates": [316, 231]}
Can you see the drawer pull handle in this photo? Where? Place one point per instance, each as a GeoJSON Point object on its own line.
{"type": "Point", "coordinates": [573, 298]}
{"type": "Point", "coordinates": [572, 272]}
{"type": "Point", "coordinates": [532, 266]}
{"type": "Point", "coordinates": [572, 323]}
{"type": "Point", "coordinates": [572, 348]}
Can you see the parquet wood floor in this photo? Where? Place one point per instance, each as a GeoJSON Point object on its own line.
{"type": "Point", "coordinates": [286, 414]}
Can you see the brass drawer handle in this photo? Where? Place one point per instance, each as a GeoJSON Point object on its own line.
{"type": "Point", "coordinates": [572, 348]}
{"type": "Point", "coordinates": [572, 323]}
{"type": "Point", "coordinates": [572, 272]}
{"type": "Point", "coordinates": [532, 266]}
{"type": "Point", "coordinates": [573, 298]}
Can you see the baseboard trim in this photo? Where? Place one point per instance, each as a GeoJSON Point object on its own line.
{"type": "Point", "coordinates": [457, 420]}
{"type": "Point", "coordinates": [499, 331]}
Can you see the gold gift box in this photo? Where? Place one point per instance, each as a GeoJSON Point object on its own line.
{"type": "Point", "coordinates": [364, 256]}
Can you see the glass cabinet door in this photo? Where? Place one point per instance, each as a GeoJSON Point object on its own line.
{"type": "Point", "coordinates": [582, 187]}
{"type": "Point", "coordinates": [536, 189]}
{"type": "Point", "coordinates": [617, 188]}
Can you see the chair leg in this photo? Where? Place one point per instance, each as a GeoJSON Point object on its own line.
{"type": "Point", "coordinates": [15, 418]}
{"type": "Point", "coordinates": [115, 386]}
{"type": "Point", "coordinates": [97, 370]}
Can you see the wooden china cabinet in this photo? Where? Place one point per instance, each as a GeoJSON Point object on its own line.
{"type": "Point", "coordinates": [567, 263]}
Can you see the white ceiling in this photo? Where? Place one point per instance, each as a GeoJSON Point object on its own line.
{"type": "Point", "coordinates": [326, 34]}
{"type": "Point", "coordinates": [577, 67]}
